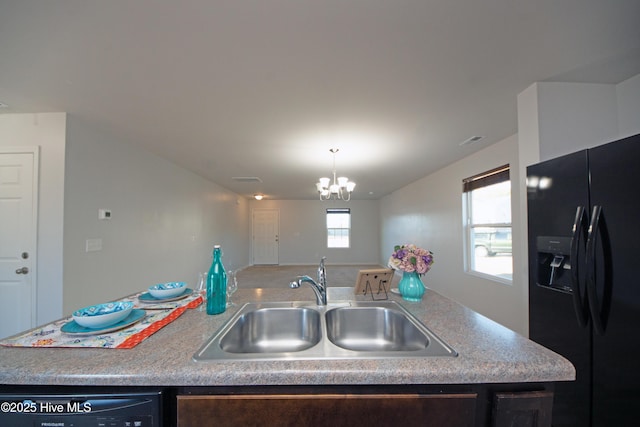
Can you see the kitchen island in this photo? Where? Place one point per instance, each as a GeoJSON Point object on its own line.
{"type": "Point", "coordinates": [493, 363]}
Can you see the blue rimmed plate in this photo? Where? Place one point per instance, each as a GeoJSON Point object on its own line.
{"type": "Point", "coordinates": [73, 328]}
{"type": "Point", "coordinates": [150, 299]}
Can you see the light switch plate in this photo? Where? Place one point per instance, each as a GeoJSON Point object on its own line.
{"type": "Point", "coordinates": [104, 213]}
{"type": "Point", "coordinates": [93, 245]}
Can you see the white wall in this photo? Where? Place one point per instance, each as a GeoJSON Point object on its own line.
{"type": "Point", "coordinates": [628, 107]}
{"type": "Point", "coordinates": [428, 213]}
{"type": "Point", "coordinates": [303, 232]}
{"type": "Point", "coordinates": [574, 116]}
{"type": "Point", "coordinates": [165, 220]}
{"type": "Point", "coordinates": [46, 131]}
{"type": "Point", "coordinates": [528, 154]}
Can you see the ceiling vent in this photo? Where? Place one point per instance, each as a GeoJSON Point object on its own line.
{"type": "Point", "coordinates": [246, 179]}
{"type": "Point", "coordinates": [471, 140]}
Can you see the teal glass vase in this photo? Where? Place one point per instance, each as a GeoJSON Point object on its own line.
{"type": "Point", "coordinates": [411, 287]}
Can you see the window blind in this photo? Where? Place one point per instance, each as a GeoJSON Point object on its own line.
{"type": "Point", "coordinates": [493, 176]}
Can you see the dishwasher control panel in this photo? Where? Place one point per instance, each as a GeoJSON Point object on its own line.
{"type": "Point", "coordinates": [81, 410]}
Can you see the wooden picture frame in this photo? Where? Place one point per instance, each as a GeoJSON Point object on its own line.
{"type": "Point", "coordinates": [378, 279]}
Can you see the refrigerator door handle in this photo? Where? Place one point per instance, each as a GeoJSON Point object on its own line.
{"type": "Point", "coordinates": [579, 234]}
{"type": "Point", "coordinates": [599, 309]}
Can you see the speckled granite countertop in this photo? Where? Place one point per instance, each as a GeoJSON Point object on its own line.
{"type": "Point", "coordinates": [488, 353]}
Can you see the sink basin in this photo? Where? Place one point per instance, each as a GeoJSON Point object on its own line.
{"type": "Point", "coordinates": [273, 330]}
{"type": "Point", "coordinates": [303, 331]}
{"type": "Point", "coordinates": [373, 329]}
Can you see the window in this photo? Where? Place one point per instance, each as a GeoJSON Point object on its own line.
{"type": "Point", "coordinates": [338, 227]}
{"type": "Point", "coordinates": [487, 219]}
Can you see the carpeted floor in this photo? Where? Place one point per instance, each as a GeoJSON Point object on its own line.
{"type": "Point", "coordinates": [274, 276]}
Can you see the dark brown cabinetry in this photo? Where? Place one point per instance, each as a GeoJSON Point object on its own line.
{"type": "Point", "coordinates": [524, 409]}
{"type": "Point", "coordinates": [444, 410]}
{"type": "Point", "coordinates": [455, 406]}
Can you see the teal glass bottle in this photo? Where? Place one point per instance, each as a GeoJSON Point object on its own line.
{"type": "Point", "coordinates": [216, 284]}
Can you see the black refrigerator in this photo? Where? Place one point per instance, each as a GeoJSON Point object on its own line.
{"type": "Point", "coordinates": [584, 279]}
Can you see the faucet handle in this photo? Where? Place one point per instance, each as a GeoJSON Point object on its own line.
{"type": "Point", "coordinates": [322, 272]}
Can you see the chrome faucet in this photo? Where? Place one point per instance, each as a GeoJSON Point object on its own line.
{"type": "Point", "coordinates": [319, 287]}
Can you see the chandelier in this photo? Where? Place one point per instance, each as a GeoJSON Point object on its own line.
{"type": "Point", "coordinates": [341, 188]}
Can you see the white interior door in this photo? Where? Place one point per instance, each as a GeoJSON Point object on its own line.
{"type": "Point", "coordinates": [265, 236]}
{"type": "Point", "coordinates": [18, 207]}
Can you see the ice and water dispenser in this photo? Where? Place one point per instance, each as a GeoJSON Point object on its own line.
{"type": "Point", "coordinates": [554, 262]}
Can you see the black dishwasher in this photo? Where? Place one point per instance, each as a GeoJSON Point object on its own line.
{"type": "Point", "coordinates": [81, 410]}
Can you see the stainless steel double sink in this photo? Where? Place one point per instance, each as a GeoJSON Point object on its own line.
{"type": "Point", "coordinates": [298, 331]}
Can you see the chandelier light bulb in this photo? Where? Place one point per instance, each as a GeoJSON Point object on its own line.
{"type": "Point", "coordinates": [340, 189]}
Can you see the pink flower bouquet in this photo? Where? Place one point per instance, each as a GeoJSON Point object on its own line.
{"type": "Point", "coordinates": [410, 258]}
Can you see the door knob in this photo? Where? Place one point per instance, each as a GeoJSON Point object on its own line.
{"type": "Point", "coordinates": [23, 270]}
